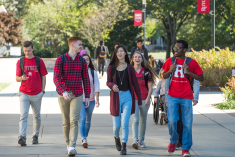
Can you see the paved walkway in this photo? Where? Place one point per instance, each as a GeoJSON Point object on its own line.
{"type": "Point", "coordinates": [213, 129]}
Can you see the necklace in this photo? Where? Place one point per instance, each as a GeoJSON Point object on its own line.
{"type": "Point", "coordinates": [122, 76]}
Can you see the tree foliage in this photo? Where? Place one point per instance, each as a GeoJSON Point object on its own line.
{"type": "Point", "coordinates": [53, 22]}
{"type": "Point", "coordinates": [10, 29]}
{"type": "Point", "coordinates": [100, 21]}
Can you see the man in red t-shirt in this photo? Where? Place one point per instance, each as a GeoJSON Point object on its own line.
{"type": "Point", "coordinates": [33, 82]}
{"type": "Point", "coordinates": [180, 94]}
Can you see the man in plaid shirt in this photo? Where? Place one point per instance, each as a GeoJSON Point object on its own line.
{"type": "Point", "coordinates": [68, 79]}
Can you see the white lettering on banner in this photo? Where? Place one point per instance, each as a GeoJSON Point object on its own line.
{"type": "Point", "coordinates": [138, 17]}
{"type": "Point", "coordinates": [204, 7]}
{"type": "Point", "coordinates": [178, 70]}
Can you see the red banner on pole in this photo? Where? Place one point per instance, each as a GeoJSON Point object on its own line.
{"type": "Point", "coordinates": [138, 18]}
{"type": "Point", "coordinates": [203, 6]}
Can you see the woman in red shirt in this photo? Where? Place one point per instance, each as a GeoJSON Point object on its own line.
{"type": "Point", "coordinates": [146, 78]}
{"type": "Point", "coordinates": [121, 79]}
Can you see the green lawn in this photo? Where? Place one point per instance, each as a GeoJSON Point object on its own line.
{"type": "Point", "coordinates": [3, 85]}
{"type": "Point", "coordinates": [159, 55]}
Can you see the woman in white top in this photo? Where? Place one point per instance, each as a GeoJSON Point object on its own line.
{"type": "Point", "coordinates": [86, 113]}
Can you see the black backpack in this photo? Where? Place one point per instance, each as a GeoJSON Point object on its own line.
{"type": "Point", "coordinates": [159, 63]}
{"type": "Point", "coordinates": [187, 61]}
{"type": "Point", "coordinates": [146, 74]}
{"type": "Point", "coordinates": [64, 60]}
{"type": "Point", "coordinates": [92, 74]}
{"type": "Point", "coordinates": [22, 64]}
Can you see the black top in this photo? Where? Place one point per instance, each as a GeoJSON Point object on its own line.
{"type": "Point", "coordinates": [122, 80]}
{"type": "Point", "coordinates": [101, 50]}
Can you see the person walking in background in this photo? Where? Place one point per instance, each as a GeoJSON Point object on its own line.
{"type": "Point", "coordinates": [122, 81]}
{"type": "Point", "coordinates": [82, 52]}
{"type": "Point", "coordinates": [71, 78]}
{"type": "Point", "coordinates": [87, 51]}
{"type": "Point", "coordinates": [160, 90]}
{"type": "Point", "coordinates": [146, 78]}
{"type": "Point", "coordinates": [141, 48]}
{"type": "Point", "coordinates": [31, 72]}
{"type": "Point", "coordinates": [101, 53]}
{"type": "Point", "coordinates": [182, 70]}
{"type": "Point", "coordinates": [115, 45]}
{"type": "Point", "coordinates": [86, 113]}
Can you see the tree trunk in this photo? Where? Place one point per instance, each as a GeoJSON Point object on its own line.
{"type": "Point", "coordinates": [56, 51]}
{"type": "Point", "coordinates": [168, 49]}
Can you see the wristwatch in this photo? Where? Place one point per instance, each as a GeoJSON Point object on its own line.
{"type": "Point", "coordinates": [43, 92]}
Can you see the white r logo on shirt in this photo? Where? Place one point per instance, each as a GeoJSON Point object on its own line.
{"type": "Point", "coordinates": [178, 70]}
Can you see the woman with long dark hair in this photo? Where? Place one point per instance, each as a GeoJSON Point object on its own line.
{"type": "Point", "coordinates": [122, 81]}
{"type": "Point", "coordinates": [86, 113]}
{"type": "Point", "coordinates": [146, 78]}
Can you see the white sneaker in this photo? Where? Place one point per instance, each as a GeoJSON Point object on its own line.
{"type": "Point", "coordinates": [67, 148]}
{"type": "Point", "coordinates": [72, 151]}
{"type": "Point", "coordinates": [142, 144]}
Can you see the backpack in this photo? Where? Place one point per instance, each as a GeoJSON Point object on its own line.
{"type": "Point", "coordinates": [22, 64]}
{"type": "Point", "coordinates": [92, 74]}
{"type": "Point", "coordinates": [159, 63]}
{"type": "Point", "coordinates": [64, 60]}
{"type": "Point", "coordinates": [146, 74]}
{"type": "Point", "coordinates": [187, 61]}
{"type": "Point", "coordinates": [114, 69]}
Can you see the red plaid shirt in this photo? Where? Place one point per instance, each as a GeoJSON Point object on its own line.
{"type": "Point", "coordinates": [70, 78]}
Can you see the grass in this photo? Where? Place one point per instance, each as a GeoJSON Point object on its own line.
{"type": "Point", "coordinates": [227, 105]}
{"type": "Point", "coordinates": [3, 86]}
{"type": "Point", "coordinates": [159, 55]}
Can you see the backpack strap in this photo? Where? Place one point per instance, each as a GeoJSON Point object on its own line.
{"type": "Point", "coordinates": [22, 65]}
{"type": "Point", "coordinates": [92, 74]}
{"type": "Point", "coordinates": [38, 61]}
{"type": "Point", "coordinates": [63, 61]}
{"type": "Point", "coordinates": [187, 61]}
{"type": "Point", "coordinates": [173, 62]}
{"type": "Point", "coordinates": [82, 61]}
{"type": "Point", "coordinates": [146, 74]}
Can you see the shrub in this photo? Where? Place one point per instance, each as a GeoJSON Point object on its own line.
{"type": "Point", "coordinates": [217, 65]}
{"type": "Point", "coordinates": [229, 95]}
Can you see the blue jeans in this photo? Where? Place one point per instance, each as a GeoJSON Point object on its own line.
{"type": "Point", "coordinates": [139, 119]}
{"type": "Point", "coordinates": [85, 119]}
{"type": "Point", "coordinates": [187, 119]}
{"type": "Point", "coordinates": [125, 100]}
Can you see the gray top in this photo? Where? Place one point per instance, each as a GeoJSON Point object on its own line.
{"type": "Point", "coordinates": [160, 90]}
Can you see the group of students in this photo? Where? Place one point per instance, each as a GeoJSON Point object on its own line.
{"type": "Point", "coordinates": [131, 83]}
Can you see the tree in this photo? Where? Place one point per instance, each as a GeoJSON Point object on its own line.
{"type": "Point", "coordinates": [53, 22]}
{"type": "Point", "coordinates": [173, 14]}
{"type": "Point", "coordinates": [98, 24]}
{"type": "Point", "coordinates": [10, 29]}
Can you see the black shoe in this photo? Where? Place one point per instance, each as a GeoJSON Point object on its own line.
{"type": "Point", "coordinates": [35, 139]}
{"type": "Point", "coordinates": [178, 146]}
{"type": "Point", "coordinates": [123, 151]}
{"type": "Point", "coordinates": [118, 143]}
{"type": "Point", "coordinates": [22, 141]}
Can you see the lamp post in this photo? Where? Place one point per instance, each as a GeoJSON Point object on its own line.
{"type": "Point", "coordinates": [144, 15]}
{"type": "Point", "coordinates": [213, 24]}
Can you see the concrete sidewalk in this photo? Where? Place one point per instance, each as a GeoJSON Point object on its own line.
{"type": "Point", "coordinates": [213, 129]}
